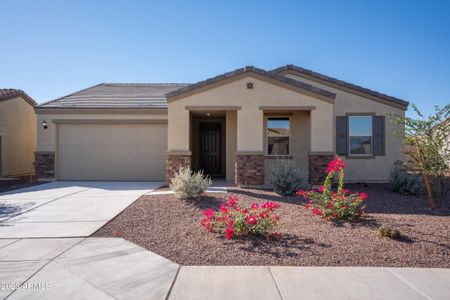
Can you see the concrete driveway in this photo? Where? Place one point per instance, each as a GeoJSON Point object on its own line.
{"type": "Point", "coordinates": [66, 208]}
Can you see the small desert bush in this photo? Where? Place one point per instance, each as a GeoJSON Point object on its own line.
{"type": "Point", "coordinates": [389, 232]}
{"type": "Point", "coordinates": [400, 181]}
{"type": "Point", "coordinates": [286, 178]}
{"type": "Point", "coordinates": [187, 184]}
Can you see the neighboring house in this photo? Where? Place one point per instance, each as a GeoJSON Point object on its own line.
{"type": "Point", "coordinates": [445, 125]}
{"type": "Point", "coordinates": [17, 133]}
{"type": "Point", "coordinates": [233, 126]}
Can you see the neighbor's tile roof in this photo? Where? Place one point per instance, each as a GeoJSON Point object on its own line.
{"type": "Point", "coordinates": [117, 95]}
{"type": "Point", "coordinates": [6, 94]}
{"type": "Point", "coordinates": [342, 83]}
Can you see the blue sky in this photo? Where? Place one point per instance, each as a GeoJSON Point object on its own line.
{"type": "Point", "coordinates": [52, 48]}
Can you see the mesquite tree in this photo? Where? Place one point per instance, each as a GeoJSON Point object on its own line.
{"type": "Point", "coordinates": [427, 144]}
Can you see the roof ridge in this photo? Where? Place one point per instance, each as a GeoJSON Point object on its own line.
{"type": "Point", "coordinates": [340, 82]}
{"type": "Point", "coordinates": [259, 71]}
{"type": "Point", "coordinates": [145, 83]}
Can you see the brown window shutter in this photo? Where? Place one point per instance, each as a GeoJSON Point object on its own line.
{"type": "Point", "coordinates": [379, 137]}
{"type": "Point", "coordinates": [341, 135]}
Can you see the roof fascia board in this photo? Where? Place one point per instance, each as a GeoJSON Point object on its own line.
{"type": "Point", "coordinates": [344, 88]}
{"type": "Point", "coordinates": [242, 75]}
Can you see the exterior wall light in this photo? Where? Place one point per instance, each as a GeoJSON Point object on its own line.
{"type": "Point", "coordinates": [208, 114]}
{"type": "Point", "coordinates": [44, 124]}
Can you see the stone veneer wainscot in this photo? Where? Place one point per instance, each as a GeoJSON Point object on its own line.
{"type": "Point", "coordinates": [318, 163]}
{"type": "Point", "coordinates": [175, 162]}
{"type": "Point", "coordinates": [45, 164]}
{"type": "Point", "coordinates": [249, 169]}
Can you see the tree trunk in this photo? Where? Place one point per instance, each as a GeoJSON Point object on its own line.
{"type": "Point", "coordinates": [424, 174]}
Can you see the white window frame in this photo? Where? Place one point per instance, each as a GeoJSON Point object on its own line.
{"type": "Point", "coordinates": [371, 136]}
{"type": "Point", "coordinates": [267, 137]}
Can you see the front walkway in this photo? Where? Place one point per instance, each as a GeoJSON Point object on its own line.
{"type": "Point", "coordinates": [66, 208]}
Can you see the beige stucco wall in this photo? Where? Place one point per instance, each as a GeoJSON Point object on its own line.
{"type": "Point", "coordinates": [373, 169]}
{"type": "Point", "coordinates": [47, 137]}
{"type": "Point", "coordinates": [250, 119]}
{"type": "Point", "coordinates": [18, 131]}
{"type": "Point", "coordinates": [231, 144]}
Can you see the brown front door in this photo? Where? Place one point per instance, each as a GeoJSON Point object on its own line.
{"type": "Point", "coordinates": [210, 148]}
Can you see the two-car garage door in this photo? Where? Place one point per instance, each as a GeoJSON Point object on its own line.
{"type": "Point", "coordinates": [111, 152]}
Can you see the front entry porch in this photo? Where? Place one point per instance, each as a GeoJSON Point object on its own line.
{"type": "Point", "coordinates": [213, 146]}
{"type": "Point", "coordinates": [220, 126]}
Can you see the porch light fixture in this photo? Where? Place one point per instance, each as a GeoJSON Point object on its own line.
{"type": "Point", "coordinates": [44, 124]}
{"type": "Point", "coordinates": [208, 114]}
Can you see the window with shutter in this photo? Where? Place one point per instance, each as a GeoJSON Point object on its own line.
{"type": "Point", "coordinates": [360, 136]}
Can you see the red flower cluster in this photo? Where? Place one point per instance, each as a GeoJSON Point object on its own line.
{"type": "Point", "coordinates": [335, 165]}
{"type": "Point", "coordinates": [231, 219]}
{"type": "Point", "coordinates": [329, 204]}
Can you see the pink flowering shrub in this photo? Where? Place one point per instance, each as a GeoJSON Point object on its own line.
{"type": "Point", "coordinates": [341, 204]}
{"type": "Point", "coordinates": [233, 220]}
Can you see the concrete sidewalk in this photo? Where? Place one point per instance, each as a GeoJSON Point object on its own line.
{"type": "Point", "coordinates": [310, 283]}
{"type": "Point", "coordinates": [112, 268]}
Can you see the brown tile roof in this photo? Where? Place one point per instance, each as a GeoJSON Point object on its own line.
{"type": "Point", "coordinates": [6, 94]}
{"type": "Point", "coordinates": [311, 73]}
{"type": "Point", "coordinates": [117, 95]}
{"type": "Point", "coordinates": [262, 72]}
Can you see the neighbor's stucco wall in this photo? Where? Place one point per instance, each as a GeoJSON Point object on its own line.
{"type": "Point", "coordinates": [370, 169]}
{"type": "Point", "coordinates": [18, 131]}
{"type": "Point", "coordinates": [46, 138]}
{"type": "Point", "coordinates": [250, 119]}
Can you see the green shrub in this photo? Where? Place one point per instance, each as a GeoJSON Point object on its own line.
{"type": "Point", "coordinates": [400, 181]}
{"type": "Point", "coordinates": [389, 232]}
{"type": "Point", "coordinates": [286, 178]}
{"type": "Point", "coordinates": [187, 184]}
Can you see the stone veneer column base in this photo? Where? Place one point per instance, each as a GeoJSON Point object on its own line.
{"type": "Point", "coordinates": [249, 169]}
{"type": "Point", "coordinates": [44, 164]}
{"type": "Point", "coordinates": [318, 163]}
{"type": "Point", "coordinates": [175, 162]}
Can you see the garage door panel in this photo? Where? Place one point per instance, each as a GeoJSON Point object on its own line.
{"type": "Point", "coordinates": [112, 152]}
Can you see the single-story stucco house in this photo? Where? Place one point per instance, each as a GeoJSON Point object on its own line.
{"type": "Point", "coordinates": [233, 126]}
{"type": "Point", "coordinates": [17, 133]}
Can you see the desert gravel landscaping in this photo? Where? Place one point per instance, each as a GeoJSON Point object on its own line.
{"type": "Point", "coordinates": [171, 228]}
